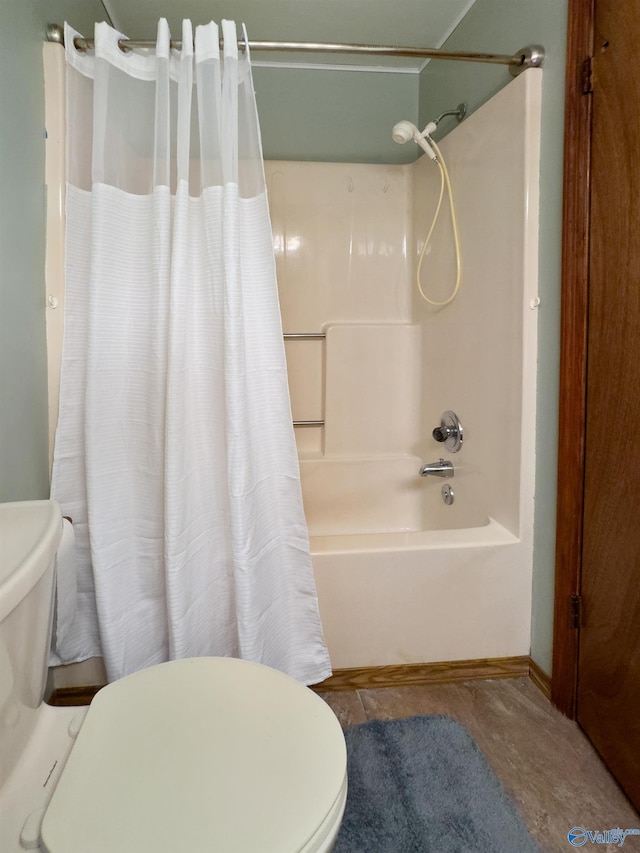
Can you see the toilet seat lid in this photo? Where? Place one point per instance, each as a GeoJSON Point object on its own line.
{"type": "Point", "coordinates": [200, 754]}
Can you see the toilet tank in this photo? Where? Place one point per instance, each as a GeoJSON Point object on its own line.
{"type": "Point", "coordinates": [30, 532]}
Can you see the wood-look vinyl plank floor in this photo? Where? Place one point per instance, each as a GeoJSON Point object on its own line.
{"type": "Point", "coordinates": [544, 760]}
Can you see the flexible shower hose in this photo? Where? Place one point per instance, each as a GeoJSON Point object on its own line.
{"type": "Point", "coordinates": [444, 180]}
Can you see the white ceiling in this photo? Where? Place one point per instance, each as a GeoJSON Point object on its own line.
{"type": "Point", "coordinates": [415, 23]}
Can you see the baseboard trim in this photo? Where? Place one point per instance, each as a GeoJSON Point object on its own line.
{"type": "Point", "coordinates": [70, 696]}
{"type": "Point", "coordinates": [403, 675]}
{"type": "Point", "coordinates": [371, 677]}
{"type": "Point", "coordinates": [540, 678]}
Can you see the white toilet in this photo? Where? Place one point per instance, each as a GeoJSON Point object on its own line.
{"type": "Point", "coordinates": [205, 754]}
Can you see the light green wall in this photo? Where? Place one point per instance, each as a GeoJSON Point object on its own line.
{"type": "Point", "coordinates": [334, 116]}
{"type": "Point", "coordinates": [23, 371]}
{"type": "Point", "coordinates": [505, 26]}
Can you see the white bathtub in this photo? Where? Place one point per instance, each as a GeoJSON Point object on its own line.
{"type": "Point", "coordinates": [403, 578]}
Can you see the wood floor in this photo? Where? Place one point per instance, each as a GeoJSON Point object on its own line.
{"type": "Point", "coordinates": [544, 761]}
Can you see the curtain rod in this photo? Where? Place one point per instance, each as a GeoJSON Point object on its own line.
{"type": "Point", "coordinates": [529, 57]}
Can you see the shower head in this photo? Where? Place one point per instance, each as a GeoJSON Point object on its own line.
{"type": "Point", "coordinates": [405, 130]}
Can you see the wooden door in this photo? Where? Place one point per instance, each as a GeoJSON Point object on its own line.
{"type": "Point", "coordinates": [608, 696]}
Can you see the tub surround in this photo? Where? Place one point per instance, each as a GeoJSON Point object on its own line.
{"type": "Point", "coordinates": [341, 239]}
{"type": "Point", "coordinates": [479, 353]}
{"type": "Point", "coordinates": [401, 577]}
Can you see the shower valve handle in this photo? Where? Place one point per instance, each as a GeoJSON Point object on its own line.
{"type": "Point", "coordinates": [442, 433]}
{"type": "Point", "coordinates": [449, 432]}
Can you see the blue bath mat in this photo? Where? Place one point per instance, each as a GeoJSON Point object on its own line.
{"type": "Point", "coordinates": [421, 785]}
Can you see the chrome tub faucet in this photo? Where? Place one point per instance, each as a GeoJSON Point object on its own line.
{"type": "Point", "coordinates": [443, 468]}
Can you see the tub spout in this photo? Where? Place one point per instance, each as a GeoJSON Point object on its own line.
{"type": "Point", "coordinates": [443, 468]}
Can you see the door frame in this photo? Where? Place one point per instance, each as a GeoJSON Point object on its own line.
{"type": "Point", "coordinates": [573, 352]}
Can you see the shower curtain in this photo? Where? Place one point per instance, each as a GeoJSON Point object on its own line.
{"type": "Point", "coordinates": [175, 453]}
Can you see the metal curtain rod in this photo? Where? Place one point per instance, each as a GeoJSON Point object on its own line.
{"type": "Point", "coordinates": [529, 57]}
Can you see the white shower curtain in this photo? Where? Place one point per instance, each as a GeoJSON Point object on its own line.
{"type": "Point", "coordinates": [175, 453]}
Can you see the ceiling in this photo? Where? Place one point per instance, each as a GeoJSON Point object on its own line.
{"type": "Point", "coordinates": [414, 23]}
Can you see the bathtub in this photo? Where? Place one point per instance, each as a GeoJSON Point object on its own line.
{"type": "Point", "coordinates": [403, 578]}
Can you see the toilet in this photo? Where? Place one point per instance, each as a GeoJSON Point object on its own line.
{"type": "Point", "coordinates": [203, 754]}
